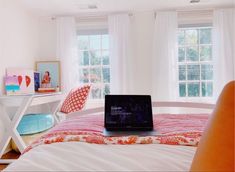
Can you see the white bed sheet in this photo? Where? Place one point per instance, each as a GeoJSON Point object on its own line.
{"type": "Point", "coordinates": [78, 156]}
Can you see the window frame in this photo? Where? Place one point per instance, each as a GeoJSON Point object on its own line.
{"type": "Point", "coordinates": [185, 63]}
{"type": "Point", "coordinates": [101, 66]}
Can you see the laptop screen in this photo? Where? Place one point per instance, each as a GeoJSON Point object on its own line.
{"type": "Point", "coordinates": [128, 112]}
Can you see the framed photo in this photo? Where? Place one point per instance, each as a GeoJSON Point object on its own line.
{"type": "Point", "coordinates": [49, 74]}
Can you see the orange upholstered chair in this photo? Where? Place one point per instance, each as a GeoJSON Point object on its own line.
{"type": "Point", "coordinates": [216, 148]}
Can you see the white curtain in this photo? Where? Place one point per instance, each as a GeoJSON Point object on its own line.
{"type": "Point", "coordinates": [67, 52]}
{"type": "Point", "coordinates": [165, 56]}
{"type": "Point", "coordinates": [224, 42]}
{"type": "Point", "coordinates": [119, 33]}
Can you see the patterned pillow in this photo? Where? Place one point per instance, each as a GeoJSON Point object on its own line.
{"type": "Point", "coordinates": [76, 99]}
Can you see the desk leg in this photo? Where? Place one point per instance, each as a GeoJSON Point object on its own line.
{"type": "Point", "coordinates": [15, 122]}
{"type": "Point", "coordinates": [11, 125]}
{"type": "Point", "coordinates": [4, 143]}
{"type": "Point", "coordinates": [7, 134]}
{"type": "Point", "coordinates": [54, 108]}
{"type": "Point", "coordinates": [18, 140]}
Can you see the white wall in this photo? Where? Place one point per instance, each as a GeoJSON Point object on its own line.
{"type": "Point", "coordinates": [141, 41]}
{"type": "Point", "coordinates": [47, 39]}
{"type": "Point", "coordinates": [18, 39]}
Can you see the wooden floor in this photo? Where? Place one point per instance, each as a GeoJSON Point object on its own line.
{"type": "Point", "coordinates": [9, 155]}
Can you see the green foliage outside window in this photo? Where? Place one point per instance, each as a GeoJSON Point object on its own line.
{"type": "Point", "coordinates": [195, 70]}
{"type": "Point", "coordinates": [94, 63]}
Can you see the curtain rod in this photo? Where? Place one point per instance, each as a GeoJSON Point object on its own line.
{"type": "Point", "coordinates": [105, 15]}
{"type": "Point", "coordinates": [94, 15]}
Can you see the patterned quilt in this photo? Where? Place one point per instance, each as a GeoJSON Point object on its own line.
{"type": "Point", "coordinates": [174, 129]}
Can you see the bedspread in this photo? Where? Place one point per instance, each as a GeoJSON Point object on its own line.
{"type": "Point", "coordinates": [80, 156]}
{"type": "Point", "coordinates": [174, 129]}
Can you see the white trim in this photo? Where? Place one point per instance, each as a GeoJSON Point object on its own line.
{"type": "Point", "coordinates": [100, 66]}
{"type": "Point", "coordinates": [94, 31]}
{"type": "Point", "coordinates": [185, 63]}
{"type": "Point", "coordinates": [195, 17]}
{"type": "Point", "coordinates": [92, 23]}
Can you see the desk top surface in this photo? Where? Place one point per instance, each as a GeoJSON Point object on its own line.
{"type": "Point", "coordinates": [30, 95]}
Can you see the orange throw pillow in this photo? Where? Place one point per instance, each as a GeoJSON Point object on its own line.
{"type": "Point", "coordinates": [216, 148]}
{"type": "Point", "coordinates": [76, 99]}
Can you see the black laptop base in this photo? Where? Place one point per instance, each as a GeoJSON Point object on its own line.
{"type": "Point", "coordinates": [129, 133]}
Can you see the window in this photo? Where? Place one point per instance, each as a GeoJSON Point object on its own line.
{"type": "Point", "coordinates": [195, 62]}
{"type": "Point", "coordinates": [94, 67]}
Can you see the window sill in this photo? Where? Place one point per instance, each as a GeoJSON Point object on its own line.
{"type": "Point", "coordinates": [197, 99]}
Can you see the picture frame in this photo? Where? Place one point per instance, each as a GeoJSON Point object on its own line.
{"type": "Point", "coordinates": [50, 74]}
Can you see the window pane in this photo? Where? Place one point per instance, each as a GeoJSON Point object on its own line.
{"type": "Point", "coordinates": [84, 75]}
{"type": "Point", "coordinates": [106, 75]}
{"type": "Point", "coordinates": [95, 75]}
{"type": "Point", "coordinates": [84, 58]}
{"type": "Point", "coordinates": [83, 43]}
{"type": "Point", "coordinates": [95, 42]}
{"type": "Point", "coordinates": [95, 57]}
{"type": "Point", "coordinates": [207, 72]}
{"type": "Point", "coordinates": [193, 89]}
{"type": "Point", "coordinates": [207, 89]}
{"type": "Point", "coordinates": [182, 72]}
{"type": "Point", "coordinates": [105, 42]}
{"type": "Point", "coordinates": [96, 92]}
{"type": "Point", "coordinates": [191, 36]}
{"type": "Point", "coordinates": [205, 36]}
{"type": "Point", "coordinates": [195, 62]}
{"type": "Point", "coordinates": [105, 55]}
{"type": "Point", "coordinates": [206, 53]}
{"type": "Point", "coordinates": [181, 39]}
{"type": "Point", "coordinates": [192, 54]}
{"type": "Point", "coordinates": [181, 54]}
{"type": "Point", "coordinates": [182, 89]}
{"type": "Point", "coordinates": [193, 72]}
{"type": "Point", "coordinates": [94, 63]}
{"type": "Point", "coordinates": [106, 90]}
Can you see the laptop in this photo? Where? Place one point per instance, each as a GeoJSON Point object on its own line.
{"type": "Point", "coordinates": [128, 115]}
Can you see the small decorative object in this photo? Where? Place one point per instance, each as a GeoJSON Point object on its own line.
{"type": "Point", "coordinates": [25, 79]}
{"type": "Point", "coordinates": [50, 75]}
{"type": "Point", "coordinates": [36, 81]}
{"type": "Point", "coordinates": [12, 85]}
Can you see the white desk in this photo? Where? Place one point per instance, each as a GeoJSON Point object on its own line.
{"type": "Point", "coordinates": [21, 104]}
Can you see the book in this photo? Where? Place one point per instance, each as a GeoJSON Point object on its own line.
{"type": "Point", "coordinates": [46, 90]}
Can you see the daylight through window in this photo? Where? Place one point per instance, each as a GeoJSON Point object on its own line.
{"type": "Point", "coordinates": [195, 62]}
{"type": "Point", "coordinates": [94, 63]}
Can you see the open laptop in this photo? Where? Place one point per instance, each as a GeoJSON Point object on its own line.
{"type": "Point", "coordinates": [128, 115]}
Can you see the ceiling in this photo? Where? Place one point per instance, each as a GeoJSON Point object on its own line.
{"type": "Point", "coordinates": [69, 7]}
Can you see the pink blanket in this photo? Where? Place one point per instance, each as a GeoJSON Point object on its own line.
{"type": "Point", "coordinates": [176, 129]}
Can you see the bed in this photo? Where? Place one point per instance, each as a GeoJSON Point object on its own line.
{"type": "Point", "coordinates": [77, 144]}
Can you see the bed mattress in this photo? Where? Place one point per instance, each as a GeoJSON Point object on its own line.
{"type": "Point", "coordinates": [78, 144]}
{"type": "Point", "coordinates": [79, 156]}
